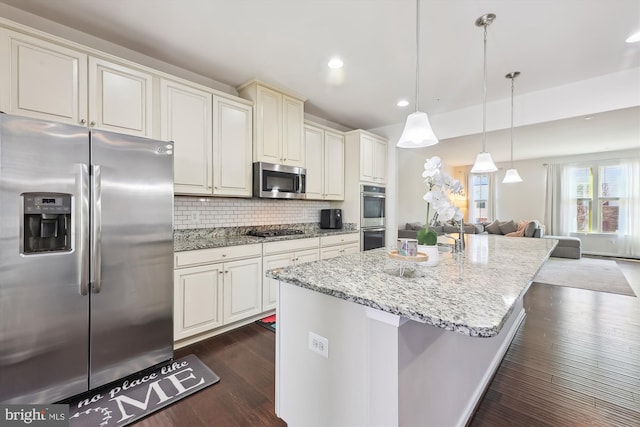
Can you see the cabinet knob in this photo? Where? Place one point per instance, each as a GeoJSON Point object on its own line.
{"type": "Point", "coordinates": [226, 272]}
{"type": "Point", "coordinates": [83, 121]}
{"type": "Point", "coordinates": [224, 255]}
{"type": "Point", "coordinates": [92, 123]}
{"type": "Point", "coordinates": [220, 272]}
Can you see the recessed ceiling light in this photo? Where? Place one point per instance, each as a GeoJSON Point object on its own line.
{"type": "Point", "coordinates": [588, 117]}
{"type": "Point", "coordinates": [335, 63]}
{"type": "Point", "coordinates": [634, 38]}
{"type": "Point", "coordinates": [402, 103]}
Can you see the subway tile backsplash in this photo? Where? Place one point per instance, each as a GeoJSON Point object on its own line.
{"type": "Point", "coordinates": [212, 212]}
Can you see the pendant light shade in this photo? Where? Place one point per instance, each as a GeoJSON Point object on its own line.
{"type": "Point", "coordinates": [484, 162]}
{"type": "Point", "coordinates": [417, 130]}
{"type": "Point", "coordinates": [512, 174]}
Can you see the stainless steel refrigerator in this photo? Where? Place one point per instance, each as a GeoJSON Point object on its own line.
{"type": "Point", "coordinates": [86, 258]}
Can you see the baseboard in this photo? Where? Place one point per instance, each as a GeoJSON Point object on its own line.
{"type": "Point", "coordinates": [205, 335]}
{"type": "Point", "coordinates": [491, 370]}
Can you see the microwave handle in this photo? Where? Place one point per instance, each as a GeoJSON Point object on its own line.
{"type": "Point", "coordinates": [299, 184]}
{"type": "Point", "coordinates": [376, 195]}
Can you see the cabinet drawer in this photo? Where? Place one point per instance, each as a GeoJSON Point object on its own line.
{"type": "Point", "coordinates": [291, 245]}
{"type": "Point", "coordinates": [340, 239]}
{"type": "Point", "coordinates": [206, 256]}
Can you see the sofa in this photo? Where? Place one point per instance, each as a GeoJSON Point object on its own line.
{"type": "Point", "coordinates": [568, 247]}
{"type": "Point", "coordinates": [410, 231]}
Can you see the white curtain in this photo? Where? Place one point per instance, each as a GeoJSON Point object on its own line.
{"type": "Point", "coordinates": [560, 205]}
{"type": "Point", "coordinates": [632, 242]}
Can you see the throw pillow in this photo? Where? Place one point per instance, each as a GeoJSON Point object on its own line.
{"type": "Point", "coordinates": [530, 229]}
{"type": "Point", "coordinates": [493, 228]}
{"type": "Point", "coordinates": [508, 227]}
{"type": "Point", "coordinates": [414, 226]}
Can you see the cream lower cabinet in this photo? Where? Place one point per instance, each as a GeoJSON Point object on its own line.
{"type": "Point", "coordinates": [210, 291]}
{"type": "Point", "coordinates": [342, 244]}
{"type": "Point", "coordinates": [52, 81]}
{"type": "Point", "coordinates": [283, 254]}
{"type": "Point", "coordinates": [324, 163]}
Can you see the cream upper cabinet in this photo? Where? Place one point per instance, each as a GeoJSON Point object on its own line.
{"type": "Point", "coordinates": [120, 98]}
{"type": "Point", "coordinates": [54, 82]}
{"type": "Point", "coordinates": [41, 79]}
{"type": "Point", "coordinates": [186, 119]}
{"type": "Point", "coordinates": [278, 120]}
{"type": "Point", "coordinates": [232, 156]}
{"type": "Point", "coordinates": [371, 150]}
{"type": "Point", "coordinates": [324, 163]}
{"type": "Point", "coordinates": [373, 159]}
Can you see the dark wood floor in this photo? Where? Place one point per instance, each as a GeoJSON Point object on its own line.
{"type": "Point", "coordinates": [575, 361]}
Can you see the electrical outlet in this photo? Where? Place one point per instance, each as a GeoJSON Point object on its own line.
{"type": "Point", "coordinates": [195, 216]}
{"type": "Point", "coordinates": [319, 344]}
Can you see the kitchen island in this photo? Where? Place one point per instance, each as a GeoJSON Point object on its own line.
{"type": "Point", "coordinates": [412, 349]}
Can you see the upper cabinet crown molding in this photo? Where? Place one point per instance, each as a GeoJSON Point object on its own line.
{"type": "Point", "coordinates": [254, 82]}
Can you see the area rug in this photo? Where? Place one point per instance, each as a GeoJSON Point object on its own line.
{"type": "Point", "coordinates": [121, 403]}
{"type": "Point", "coordinates": [268, 322]}
{"type": "Point", "coordinates": [585, 273]}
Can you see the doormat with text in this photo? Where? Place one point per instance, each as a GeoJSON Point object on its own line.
{"type": "Point", "coordinates": [268, 322]}
{"type": "Point", "coordinates": [121, 403]}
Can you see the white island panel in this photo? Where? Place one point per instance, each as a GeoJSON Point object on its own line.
{"type": "Point", "coordinates": [383, 368]}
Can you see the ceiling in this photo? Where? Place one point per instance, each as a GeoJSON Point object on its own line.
{"type": "Point", "coordinates": [289, 42]}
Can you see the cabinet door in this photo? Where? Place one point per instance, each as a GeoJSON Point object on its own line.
{"type": "Point", "coordinates": [351, 248]}
{"type": "Point", "coordinates": [307, 256]}
{"type": "Point", "coordinates": [270, 286]}
{"type": "Point", "coordinates": [380, 162]}
{"type": "Point", "coordinates": [232, 155]}
{"type": "Point", "coordinates": [330, 252]}
{"type": "Point", "coordinates": [314, 141]}
{"type": "Point", "coordinates": [197, 300]}
{"type": "Point", "coordinates": [367, 171]}
{"type": "Point", "coordinates": [333, 166]}
{"type": "Point", "coordinates": [185, 118]}
{"type": "Point", "coordinates": [120, 98]}
{"type": "Point", "coordinates": [293, 132]}
{"type": "Point", "coordinates": [42, 80]}
{"type": "Point", "coordinates": [242, 289]}
{"type": "Point", "coordinates": [268, 132]}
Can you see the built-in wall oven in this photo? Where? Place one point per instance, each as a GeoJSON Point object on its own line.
{"type": "Point", "coordinates": [372, 217]}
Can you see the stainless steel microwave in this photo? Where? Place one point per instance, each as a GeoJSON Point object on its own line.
{"type": "Point", "coordinates": [273, 181]}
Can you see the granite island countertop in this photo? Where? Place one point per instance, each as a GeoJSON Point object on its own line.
{"type": "Point", "coordinates": [471, 293]}
{"type": "Point", "coordinates": [207, 238]}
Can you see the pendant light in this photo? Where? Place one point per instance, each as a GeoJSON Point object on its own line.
{"type": "Point", "coordinates": [484, 162]}
{"type": "Point", "coordinates": [512, 174]}
{"type": "Point", "coordinates": [417, 130]}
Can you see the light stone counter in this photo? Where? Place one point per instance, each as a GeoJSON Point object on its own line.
{"type": "Point", "coordinates": [207, 238]}
{"type": "Point", "coordinates": [471, 293]}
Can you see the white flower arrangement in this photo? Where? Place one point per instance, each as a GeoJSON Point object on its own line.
{"type": "Point", "coordinates": [440, 186]}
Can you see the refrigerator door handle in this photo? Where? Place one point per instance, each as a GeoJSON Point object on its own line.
{"type": "Point", "coordinates": [83, 221]}
{"type": "Point", "coordinates": [96, 248]}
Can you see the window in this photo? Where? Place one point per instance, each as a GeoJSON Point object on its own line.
{"type": "Point", "coordinates": [479, 198]}
{"type": "Point", "coordinates": [599, 194]}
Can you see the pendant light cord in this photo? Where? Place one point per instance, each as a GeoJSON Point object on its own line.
{"type": "Point", "coordinates": [417, 52]}
{"type": "Point", "coordinates": [512, 79]}
{"type": "Point", "coordinates": [484, 92]}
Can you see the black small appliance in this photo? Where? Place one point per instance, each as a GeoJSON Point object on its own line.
{"type": "Point", "coordinates": [330, 218]}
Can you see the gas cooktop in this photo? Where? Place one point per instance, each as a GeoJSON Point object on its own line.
{"type": "Point", "coordinates": [274, 233]}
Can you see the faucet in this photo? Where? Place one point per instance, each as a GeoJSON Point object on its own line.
{"type": "Point", "coordinates": [458, 244]}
